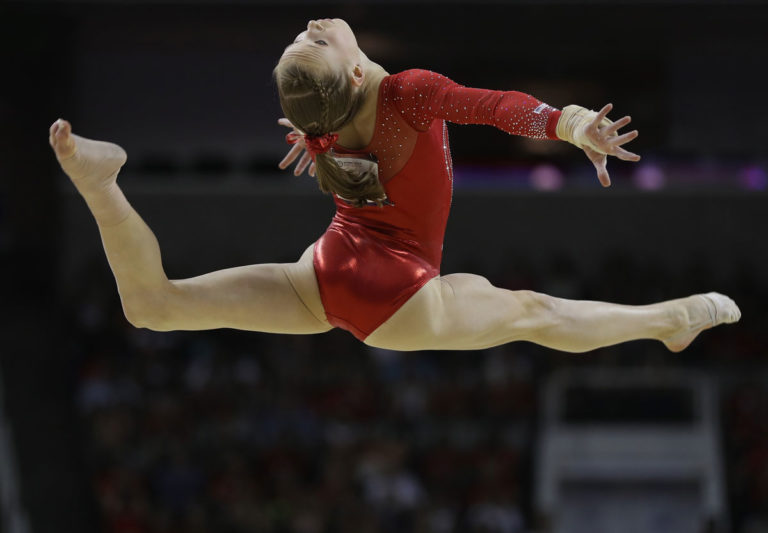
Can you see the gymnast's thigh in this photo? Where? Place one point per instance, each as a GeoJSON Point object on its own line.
{"type": "Point", "coordinates": [304, 281]}
{"type": "Point", "coordinates": [454, 312]}
{"type": "Point", "coordinates": [273, 298]}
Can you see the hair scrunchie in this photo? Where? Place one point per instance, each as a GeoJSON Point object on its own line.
{"type": "Point", "coordinates": [316, 144]}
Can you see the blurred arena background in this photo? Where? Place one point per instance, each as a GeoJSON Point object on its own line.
{"type": "Point", "coordinates": [106, 428]}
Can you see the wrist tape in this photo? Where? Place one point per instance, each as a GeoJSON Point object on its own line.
{"type": "Point", "coordinates": [573, 124]}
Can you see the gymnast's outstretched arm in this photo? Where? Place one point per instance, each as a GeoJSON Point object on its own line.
{"type": "Point", "coordinates": [279, 298]}
{"type": "Point", "coordinates": [424, 96]}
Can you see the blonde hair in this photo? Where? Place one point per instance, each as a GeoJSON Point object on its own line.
{"type": "Point", "coordinates": [319, 102]}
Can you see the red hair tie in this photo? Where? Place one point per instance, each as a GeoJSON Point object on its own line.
{"type": "Point", "coordinates": [316, 144]}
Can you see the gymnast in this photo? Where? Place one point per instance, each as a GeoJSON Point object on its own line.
{"type": "Point", "coordinates": [378, 143]}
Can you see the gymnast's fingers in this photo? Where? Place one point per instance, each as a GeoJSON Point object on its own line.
{"type": "Point", "coordinates": [285, 122]}
{"type": "Point", "coordinates": [599, 161]}
{"type": "Point", "coordinates": [304, 162]}
{"type": "Point", "coordinates": [623, 139]}
{"type": "Point", "coordinates": [625, 155]}
{"type": "Point", "coordinates": [613, 128]}
{"type": "Point", "coordinates": [291, 156]}
{"type": "Point", "coordinates": [602, 173]}
{"type": "Point", "coordinates": [312, 170]}
{"type": "Point", "coordinates": [601, 115]}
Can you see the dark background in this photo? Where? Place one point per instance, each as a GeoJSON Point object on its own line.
{"type": "Point", "coordinates": [106, 420]}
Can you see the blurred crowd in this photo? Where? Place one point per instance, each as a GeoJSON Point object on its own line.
{"type": "Point", "coordinates": [232, 431]}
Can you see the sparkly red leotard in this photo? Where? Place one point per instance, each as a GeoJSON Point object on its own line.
{"type": "Point", "coordinates": [371, 259]}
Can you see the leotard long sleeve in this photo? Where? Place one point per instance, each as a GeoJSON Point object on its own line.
{"type": "Point", "coordinates": [372, 259]}
{"type": "Point", "coordinates": [424, 96]}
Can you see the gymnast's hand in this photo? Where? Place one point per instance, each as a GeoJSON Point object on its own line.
{"type": "Point", "coordinates": [294, 152]}
{"type": "Point", "coordinates": [597, 136]}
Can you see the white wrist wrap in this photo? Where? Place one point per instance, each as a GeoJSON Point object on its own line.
{"type": "Point", "coordinates": [573, 124]}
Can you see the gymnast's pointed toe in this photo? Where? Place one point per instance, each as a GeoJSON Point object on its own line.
{"type": "Point", "coordinates": [722, 308]}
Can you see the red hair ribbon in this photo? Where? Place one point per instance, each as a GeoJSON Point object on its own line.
{"type": "Point", "coordinates": [319, 144]}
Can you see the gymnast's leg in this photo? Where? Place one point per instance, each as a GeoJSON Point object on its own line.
{"type": "Point", "coordinates": [466, 312]}
{"type": "Point", "coordinates": [280, 298]}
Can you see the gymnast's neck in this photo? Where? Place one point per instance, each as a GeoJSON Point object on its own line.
{"type": "Point", "coordinates": [358, 133]}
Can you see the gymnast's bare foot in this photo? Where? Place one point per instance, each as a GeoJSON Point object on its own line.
{"type": "Point", "coordinates": [91, 165]}
{"type": "Point", "coordinates": [703, 311]}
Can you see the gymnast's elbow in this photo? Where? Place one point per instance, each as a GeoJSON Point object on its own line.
{"type": "Point", "coordinates": [146, 312]}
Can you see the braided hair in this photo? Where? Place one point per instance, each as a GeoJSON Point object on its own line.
{"type": "Point", "coordinates": [318, 103]}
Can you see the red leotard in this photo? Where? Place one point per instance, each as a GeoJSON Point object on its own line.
{"type": "Point", "coordinates": [371, 259]}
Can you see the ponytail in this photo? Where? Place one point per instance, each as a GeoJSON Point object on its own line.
{"type": "Point", "coordinates": [357, 188]}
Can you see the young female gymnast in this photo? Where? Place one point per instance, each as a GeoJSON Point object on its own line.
{"type": "Point", "coordinates": [377, 142]}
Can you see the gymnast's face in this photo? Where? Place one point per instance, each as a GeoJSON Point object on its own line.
{"type": "Point", "coordinates": [326, 42]}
